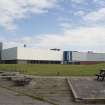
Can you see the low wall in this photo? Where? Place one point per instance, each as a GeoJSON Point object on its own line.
{"type": "Point", "coordinates": [91, 62]}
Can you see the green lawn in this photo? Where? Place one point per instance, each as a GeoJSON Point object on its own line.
{"type": "Point", "coordinates": [53, 70]}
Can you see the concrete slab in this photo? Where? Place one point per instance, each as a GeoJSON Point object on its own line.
{"type": "Point", "coordinates": [8, 97]}
{"type": "Point", "coordinates": [54, 89]}
{"type": "Point", "coordinates": [87, 89]}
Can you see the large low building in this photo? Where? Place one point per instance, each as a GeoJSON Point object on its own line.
{"type": "Point", "coordinates": [31, 56]}
{"type": "Point", "coordinates": [17, 55]}
{"type": "Point", "coordinates": [75, 57]}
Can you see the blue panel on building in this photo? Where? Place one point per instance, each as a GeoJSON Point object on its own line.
{"type": "Point", "coordinates": [70, 55]}
{"type": "Point", "coordinates": [67, 56]}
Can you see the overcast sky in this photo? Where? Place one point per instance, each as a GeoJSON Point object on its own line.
{"type": "Point", "coordinates": [65, 24]}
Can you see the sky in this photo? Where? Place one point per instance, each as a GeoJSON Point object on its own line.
{"type": "Point", "coordinates": [75, 25]}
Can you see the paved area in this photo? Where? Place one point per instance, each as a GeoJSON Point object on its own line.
{"type": "Point", "coordinates": [54, 90]}
{"type": "Point", "coordinates": [8, 97]}
{"type": "Point", "coordinates": [88, 89]}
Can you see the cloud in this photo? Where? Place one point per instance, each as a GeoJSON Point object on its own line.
{"type": "Point", "coordinates": [19, 41]}
{"type": "Point", "coordinates": [63, 19]}
{"type": "Point", "coordinates": [10, 10]}
{"type": "Point", "coordinates": [81, 39]}
{"type": "Point", "coordinates": [78, 1]}
{"type": "Point", "coordinates": [79, 13]}
{"type": "Point", "coordinates": [99, 2]}
{"type": "Point", "coordinates": [65, 25]}
{"type": "Point", "coordinates": [78, 39]}
{"type": "Point", "coordinates": [84, 38]}
{"type": "Point", "coordinates": [96, 16]}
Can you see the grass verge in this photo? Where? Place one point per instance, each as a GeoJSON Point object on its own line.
{"type": "Point", "coordinates": [53, 69]}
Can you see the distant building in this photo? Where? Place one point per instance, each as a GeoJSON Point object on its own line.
{"type": "Point", "coordinates": [31, 56]}
{"type": "Point", "coordinates": [75, 57]}
{"type": "Point", "coordinates": [24, 55]}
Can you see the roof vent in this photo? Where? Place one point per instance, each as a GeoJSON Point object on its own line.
{"type": "Point", "coordinates": [55, 49]}
{"type": "Point", "coordinates": [25, 45]}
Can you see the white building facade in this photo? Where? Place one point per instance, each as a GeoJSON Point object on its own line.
{"type": "Point", "coordinates": [31, 56]}
{"type": "Point", "coordinates": [17, 55]}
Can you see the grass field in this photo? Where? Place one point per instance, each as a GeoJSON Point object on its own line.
{"type": "Point", "coordinates": [53, 70]}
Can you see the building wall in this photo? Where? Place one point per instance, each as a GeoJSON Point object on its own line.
{"type": "Point", "coordinates": [79, 56]}
{"type": "Point", "coordinates": [1, 48]}
{"type": "Point", "coordinates": [37, 62]}
{"type": "Point", "coordinates": [9, 54]}
{"type": "Point", "coordinates": [95, 56]}
{"type": "Point", "coordinates": [85, 56]}
{"type": "Point", "coordinates": [38, 54]}
{"type": "Point", "coordinates": [67, 55]}
{"type": "Point", "coordinates": [75, 57]}
{"type": "Point", "coordinates": [31, 54]}
{"type": "Point", "coordinates": [22, 62]}
{"type": "Point", "coordinates": [90, 62]}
